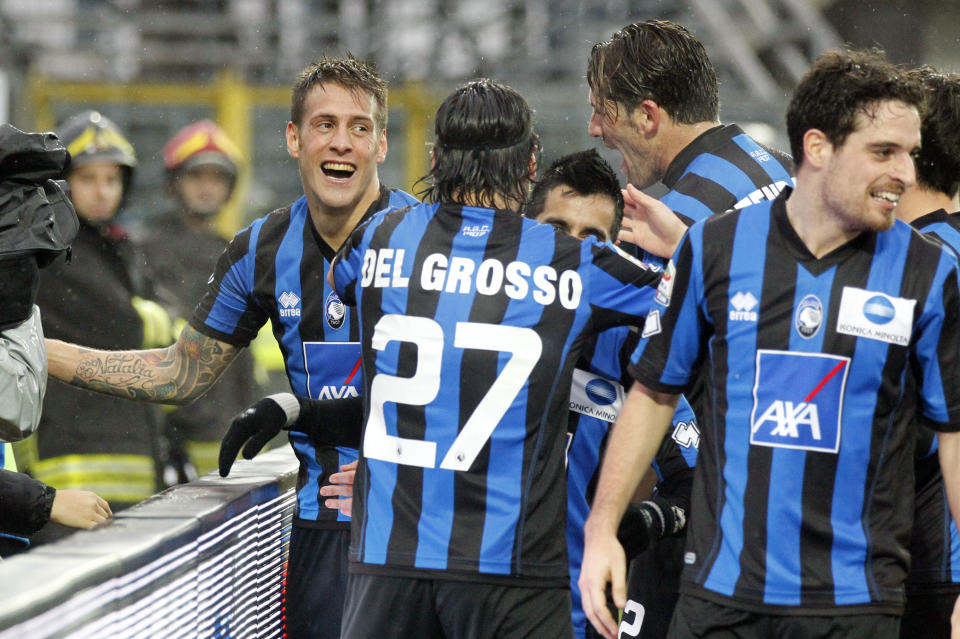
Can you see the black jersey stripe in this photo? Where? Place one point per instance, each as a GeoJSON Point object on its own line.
{"type": "Point", "coordinates": [478, 371]}
{"type": "Point", "coordinates": [773, 326]}
{"type": "Point", "coordinates": [715, 258]}
{"type": "Point", "coordinates": [711, 194]}
{"type": "Point", "coordinates": [543, 506]}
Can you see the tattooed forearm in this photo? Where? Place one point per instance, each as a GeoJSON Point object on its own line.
{"type": "Point", "coordinates": [177, 374]}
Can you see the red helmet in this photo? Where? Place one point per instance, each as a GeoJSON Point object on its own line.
{"type": "Point", "coordinates": [201, 144]}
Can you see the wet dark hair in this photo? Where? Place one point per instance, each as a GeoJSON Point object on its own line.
{"type": "Point", "coordinates": [353, 74]}
{"type": "Point", "coordinates": [484, 139]}
{"type": "Point", "coordinates": [839, 86]}
{"type": "Point", "coordinates": [655, 60]}
{"type": "Point", "coordinates": [586, 173]}
{"type": "Point", "coordinates": [938, 162]}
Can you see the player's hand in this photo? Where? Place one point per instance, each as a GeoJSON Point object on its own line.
{"type": "Point", "coordinates": [79, 509]}
{"type": "Point", "coordinates": [251, 429]}
{"type": "Point", "coordinates": [649, 223]}
{"type": "Point", "coordinates": [603, 562]}
{"type": "Point", "coordinates": [340, 490]}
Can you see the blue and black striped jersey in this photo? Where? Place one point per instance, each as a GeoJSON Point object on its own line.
{"type": "Point", "coordinates": [275, 269]}
{"type": "Point", "coordinates": [801, 495]}
{"type": "Point", "coordinates": [722, 169]}
{"type": "Point", "coordinates": [600, 383]}
{"type": "Point", "coordinates": [935, 543]}
{"type": "Point", "coordinates": [471, 321]}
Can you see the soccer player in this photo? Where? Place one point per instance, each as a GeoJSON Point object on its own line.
{"type": "Point", "coordinates": [274, 270]}
{"type": "Point", "coordinates": [579, 195]}
{"type": "Point", "coordinates": [472, 318]}
{"type": "Point", "coordinates": [655, 100]}
{"type": "Point", "coordinates": [800, 514]}
{"type": "Point", "coordinates": [931, 206]}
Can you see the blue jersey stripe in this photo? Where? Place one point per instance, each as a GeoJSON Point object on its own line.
{"type": "Point", "coordinates": [784, 517]}
{"type": "Point", "coordinates": [437, 497]}
{"type": "Point", "coordinates": [741, 338]}
{"type": "Point", "coordinates": [288, 281]}
{"type": "Point", "coordinates": [686, 205]}
{"type": "Point", "coordinates": [226, 312]}
{"type": "Point", "coordinates": [382, 475]}
{"type": "Point", "coordinates": [721, 171]}
{"type": "Point", "coordinates": [849, 553]}
{"type": "Point", "coordinates": [771, 167]}
{"type": "Point", "coordinates": [505, 480]}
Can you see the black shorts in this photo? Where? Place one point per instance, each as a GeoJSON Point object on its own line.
{"type": "Point", "coordinates": [316, 582]}
{"type": "Point", "coordinates": [653, 586]}
{"type": "Point", "coordinates": [695, 617]}
{"type": "Point", "coordinates": [381, 607]}
{"type": "Point", "coordinates": [928, 614]}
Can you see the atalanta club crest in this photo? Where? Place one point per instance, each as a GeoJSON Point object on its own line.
{"type": "Point", "coordinates": [335, 311]}
{"type": "Point", "coordinates": [809, 316]}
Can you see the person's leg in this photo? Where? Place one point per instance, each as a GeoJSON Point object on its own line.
{"type": "Point", "coordinates": [653, 586]}
{"type": "Point", "coordinates": [316, 582]}
{"type": "Point", "coordinates": [927, 615]}
{"type": "Point", "coordinates": [379, 607]}
{"type": "Point", "coordinates": [486, 611]}
{"type": "Point", "coordinates": [838, 627]}
{"type": "Point", "coordinates": [695, 618]}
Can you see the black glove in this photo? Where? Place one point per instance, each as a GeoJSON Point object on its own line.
{"type": "Point", "coordinates": [256, 426]}
{"type": "Point", "coordinates": [647, 522]}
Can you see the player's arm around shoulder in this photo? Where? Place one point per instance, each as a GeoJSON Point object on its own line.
{"type": "Point", "coordinates": [177, 374]}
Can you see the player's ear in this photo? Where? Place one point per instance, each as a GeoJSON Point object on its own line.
{"type": "Point", "coordinates": [382, 147]}
{"type": "Point", "coordinates": [816, 148]}
{"type": "Point", "coordinates": [532, 166]}
{"type": "Point", "coordinates": [293, 140]}
{"type": "Point", "coordinates": [646, 117]}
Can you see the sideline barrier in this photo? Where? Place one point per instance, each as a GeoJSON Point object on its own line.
{"type": "Point", "coordinates": [205, 559]}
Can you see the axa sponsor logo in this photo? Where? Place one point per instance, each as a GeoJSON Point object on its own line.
{"type": "Point", "coordinates": [475, 230]}
{"type": "Point", "coordinates": [798, 400]}
{"type": "Point", "coordinates": [289, 304]}
{"type": "Point", "coordinates": [742, 307]}
{"type": "Point", "coordinates": [337, 392]}
{"type": "Point", "coordinates": [788, 418]}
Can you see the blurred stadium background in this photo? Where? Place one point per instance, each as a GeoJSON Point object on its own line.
{"type": "Point", "coordinates": [155, 65]}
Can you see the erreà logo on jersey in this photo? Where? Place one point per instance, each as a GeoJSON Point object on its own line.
{"type": "Point", "coordinates": [798, 400]}
{"type": "Point", "coordinates": [596, 396]}
{"type": "Point", "coordinates": [743, 305]}
{"type": "Point", "coordinates": [876, 316]}
{"type": "Point", "coordinates": [289, 304]}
